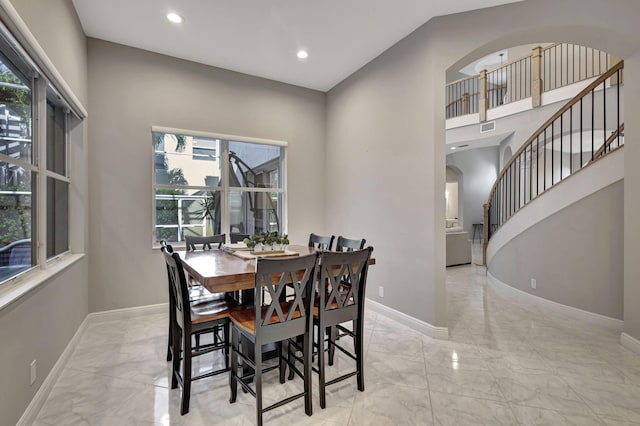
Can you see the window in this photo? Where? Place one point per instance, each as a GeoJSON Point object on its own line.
{"type": "Point", "coordinates": [237, 189]}
{"type": "Point", "coordinates": [33, 166]}
{"type": "Point", "coordinates": [57, 180]}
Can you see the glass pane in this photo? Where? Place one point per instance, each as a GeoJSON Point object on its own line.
{"type": "Point", "coordinates": [179, 160]}
{"type": "Point", "coordinates": [186, 212]}
{"type": "Point", "coordinates": [253, 212]}
{"type": "Point", "coordinates": [15, 115]}
{"type": "Point", "coordinates": [57, 217]}
{"type": "Point", "coordinates": [16, 200]}
{"type": "Point", "coordinates": [254, 165]}
{"type": "Point", "coordinates": [56, 139]}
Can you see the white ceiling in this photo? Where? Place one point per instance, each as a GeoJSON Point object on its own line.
{"type": "Point", "coordinates": [261, 37]}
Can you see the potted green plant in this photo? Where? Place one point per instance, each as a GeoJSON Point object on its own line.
{"type": "Point", "coordinates": [255, 241]}
{"type": "Point", "coordinates": [267, 241]}
{"type": "Point", "coordinates": [207, 212]}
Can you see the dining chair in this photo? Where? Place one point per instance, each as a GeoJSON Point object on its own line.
{"type": "Point", "coordinates": [320, 242]}
{"type": "Point", "coordinates": [197, 292]}
{"type": "Point", "coordinates": [343, 244]}
{"type": "Point", "coordinates": [346, 244]}
{"type": "Point", "coordinates": [338, 304]}
{"type": "Point", "coordinates": [206, 241]}
{"type": "Point", "coordinates": [172, 313]}
{"type": "Point", "coordinates": [237, 238]}
{"type": "Point", "coordinates": [193, 320]}
{"type": "Point", "coordinates": [274, 321]}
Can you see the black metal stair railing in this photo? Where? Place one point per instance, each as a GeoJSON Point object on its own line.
{"type": "Point", "coordinates": [587, 128]}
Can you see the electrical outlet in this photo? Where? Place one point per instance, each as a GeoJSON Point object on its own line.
{"type": "Point", "coordinates": [381, 291]}
{"type": "Point", "coordinates": [32, 372]}
{"type": "Point", "coordinates": [534, 285]}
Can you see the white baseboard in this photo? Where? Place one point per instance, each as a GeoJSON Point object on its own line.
{"type": "Point", "coordinates": [425, 328]}
{"type": "Point", "coordinates": [30, 414]}
{"type": "Point", "coordinates": [118, 314]}
{"type": "Point", "coordinates": [630, 342]}
{"type": "Point", "coordinates": [608, 322]}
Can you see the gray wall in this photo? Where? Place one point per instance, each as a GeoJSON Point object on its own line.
{"type": "Point", "coordinates": [479, 169]}
{"type": "Point", "coordinates": [575, 255]}
{"type": "Point", "coordinates": [41, 323]}
{"type": "Point", "coordinates": [131, 90]}
{"type": "Point", "coordinates": [632, 198]}
{"type": "Point", "coordinates": [387, 121]}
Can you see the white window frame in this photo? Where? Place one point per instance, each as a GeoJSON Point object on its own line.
{"type": "Point", "coordinates": [38, 165]}
{"type": "Point", "coordinates": [225, 189]}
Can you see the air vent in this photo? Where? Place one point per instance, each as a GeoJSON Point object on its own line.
{"type": "Point", "coordinates": [489, 126]}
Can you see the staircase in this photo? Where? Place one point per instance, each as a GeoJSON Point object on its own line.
{"type": "Point", "coordinates": [586, 129]}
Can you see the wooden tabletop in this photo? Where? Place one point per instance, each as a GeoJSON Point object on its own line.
{"type": "Point", "coordinates": [220, 271]}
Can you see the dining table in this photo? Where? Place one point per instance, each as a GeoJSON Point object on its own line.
{"type": "Point", "coordinates": [221, 271]}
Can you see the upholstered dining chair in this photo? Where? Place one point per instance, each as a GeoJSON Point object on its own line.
{"type": "Point", "coordinates": [193, 320]}
{"type": "Point", "coordinates": [320, 242]}
{"type": "Point", "coordinates": [274, 321]}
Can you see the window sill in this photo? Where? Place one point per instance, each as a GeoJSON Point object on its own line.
{"type": "Point", "coordinates": [13, 290]}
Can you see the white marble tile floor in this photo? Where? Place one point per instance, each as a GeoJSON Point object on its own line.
{"type": "Point", "coordinates": [507, 363]}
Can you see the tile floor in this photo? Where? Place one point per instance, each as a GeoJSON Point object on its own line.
{"type": "Point", "coordinates": [507, 363]}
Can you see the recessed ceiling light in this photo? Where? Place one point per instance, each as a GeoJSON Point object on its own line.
{"type": "Point", "coordinates": [302, 54]}
{"type": "Point", "coordinates": [174, 17]}
{"type": "Point", "coordinates": [454, 147]}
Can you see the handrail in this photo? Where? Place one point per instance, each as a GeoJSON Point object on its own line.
{"type": "Point", "coordinates": [557, 115]}
{"type": "Point", "coordinates": [601, 151]}
{"type": "Point", "coordinates": [514, 188]}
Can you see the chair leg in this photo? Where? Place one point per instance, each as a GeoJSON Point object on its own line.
{"type": "Point", "coordinates": [290, 361]}
{"type": "Point", "coordinates": [332, 332]}
{"type": "Point", "coordinates": [172, 326]}
{"type": "Point", "coordinates": [197, 341]}
{"type": "Point", "coordinates": [233, 381]}
{"type": "Point", "coordinates": [186, 375]}
{"type": "Point", "coordinates": [175, 368]}
{"type": "Point", "coordinates": [225, 331]}
{"type": "Point", "coordinates": [282, 366]}
{"type": "Point", "coordinates": [359, 349]}
{"type": "Point", "coordinates": [321, 381]}
{"type": "Point", "coordinates": [258, 380]}
{"type": "Point", "coordinates": [307, 351]}
{"type": "Point", "coordinates": [170, 342]}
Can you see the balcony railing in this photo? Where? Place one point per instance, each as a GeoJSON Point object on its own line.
{"type": "Point", "coordinates": [587, 128]}
{"type": "Point", "coordinates": [545, 69]}
{"type": "Point", "coordinates": [465, 95]}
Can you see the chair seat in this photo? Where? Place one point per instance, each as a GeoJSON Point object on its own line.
{"type": "Point", "coordinates": [334, 305]}
{"type": "Point", "coordinates": [211, 310]}
{"type": "Point", "coordinates": [246, 318]}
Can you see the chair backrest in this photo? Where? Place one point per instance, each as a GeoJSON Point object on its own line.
{"type": "Point", "coordinates": [276, 320]}
{"type": "Point", "coordinates": [206, 242]}
{"type": "Point", "coordinates": [164, 246]}
{"type": "Point", "coordinates": [320, 242]}
{"type": "Point", "coordinates": [178, 288]}
{"type": "Point", "coordinates": [237, 238]}
{"type": "Point", "coordinates": [343, 302]}
{"type": "Point", "coordinates": [346, 244]}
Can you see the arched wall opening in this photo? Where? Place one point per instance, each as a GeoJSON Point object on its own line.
{"type": "Point", "coordinates": [565, 26]}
